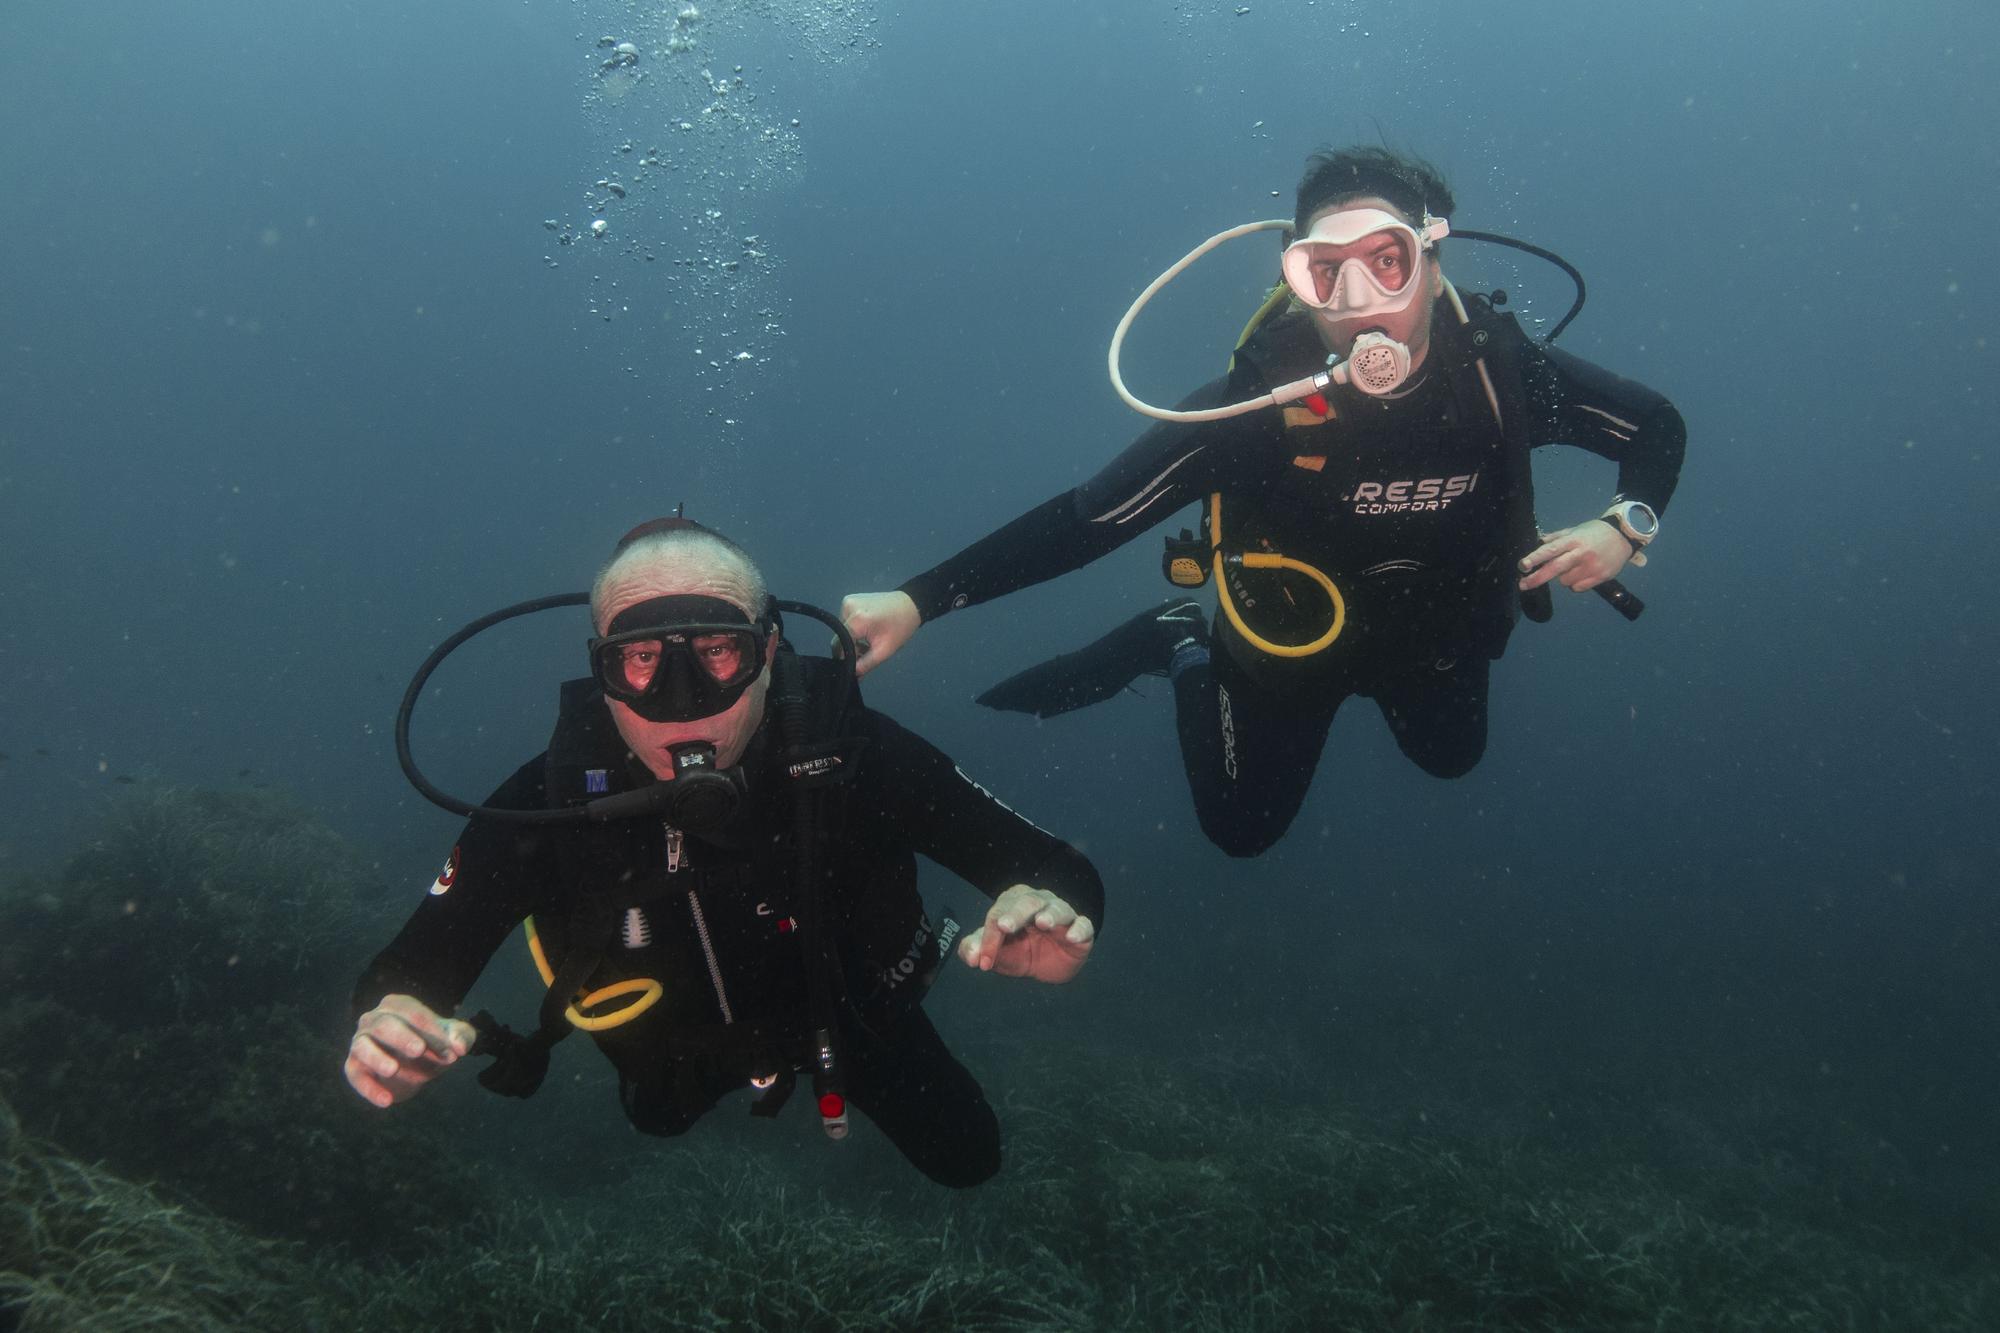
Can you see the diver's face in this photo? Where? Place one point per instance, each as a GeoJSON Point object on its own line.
{"type": "Point", "coordinates": [728, 731]}
{"type": "Point", "coordinates": [1411, 325]}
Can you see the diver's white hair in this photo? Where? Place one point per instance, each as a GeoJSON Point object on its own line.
{"type": "Point", "coordinates": [679, 561]}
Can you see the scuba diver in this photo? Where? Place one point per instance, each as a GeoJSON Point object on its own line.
{"type": "Point", "coordinates": [1367, 508]}
{"type": "Point", "coordinates": [715, 862]}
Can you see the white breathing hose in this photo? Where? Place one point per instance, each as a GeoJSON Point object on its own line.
{"type": "Point", "coordinates": [1284, 393]}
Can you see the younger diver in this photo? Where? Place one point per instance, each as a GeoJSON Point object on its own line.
{"type": "Point", "coordinates": [1367, 510]}
{"type": "Point", "coordinates": [719, 876]}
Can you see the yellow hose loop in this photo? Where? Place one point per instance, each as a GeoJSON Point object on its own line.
{"type": "Point", "coordinates": [648, 990]}
{"type": "Point", "coordinates": [1260, 560]}
{"type": "Point", "coordinates": [1255, 560]}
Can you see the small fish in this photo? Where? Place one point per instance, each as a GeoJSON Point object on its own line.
{"type": "Point", "coordinates": [242, 772]}
{"type": "Point", "coordinates": [43, 753]}
{"type": "Point", "coordinates": [125, 780]}
{"type": "Point", "coordinates": [3, 756]}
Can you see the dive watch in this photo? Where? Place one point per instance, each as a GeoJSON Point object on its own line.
{"type": "Point", "coordinates": [1635, 521]}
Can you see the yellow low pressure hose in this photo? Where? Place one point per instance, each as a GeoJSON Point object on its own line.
{"type": "Point", "coordinates": [648, 990]}
{"type": "Point", "coordinates": [1258, 560]}
{"type": "Point", "coordinates": [1280, 296]}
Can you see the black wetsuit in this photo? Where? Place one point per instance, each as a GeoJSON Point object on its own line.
{"type": "Point", "coordinates": [1414, 505]}
{"type": "Point", "coordinates": [714, 920]}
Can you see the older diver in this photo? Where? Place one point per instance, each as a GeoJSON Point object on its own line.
{"type": "Point", "coordinates": [687, 944]}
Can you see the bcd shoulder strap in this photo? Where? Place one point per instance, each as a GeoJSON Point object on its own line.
{"type": "Point", "coordinates": [1487, 362]}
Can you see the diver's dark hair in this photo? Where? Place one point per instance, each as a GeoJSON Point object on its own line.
{"type": "Point", "coordinates": [1335, 175]}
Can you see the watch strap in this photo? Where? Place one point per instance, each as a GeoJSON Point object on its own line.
{"type": "Point", "coordinates": [1619, 528]}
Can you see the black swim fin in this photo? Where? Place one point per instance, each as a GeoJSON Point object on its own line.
{"type": "Point", "coordinates": [1139, 647]}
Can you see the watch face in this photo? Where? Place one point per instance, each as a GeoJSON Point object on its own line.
{"type": "Point", "coordinates": [1642, 519]}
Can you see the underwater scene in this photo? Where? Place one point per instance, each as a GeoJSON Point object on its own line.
{"type": "Point", "coordinates": [1138, 665]}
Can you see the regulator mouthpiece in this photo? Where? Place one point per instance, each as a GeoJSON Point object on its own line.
{"type": "Point", "coordinates": [1378, 365]}
{"type": "Point", "coordinates": [701, 796]}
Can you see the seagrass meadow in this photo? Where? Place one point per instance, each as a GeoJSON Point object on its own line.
{"type": "Point", "coordinates": [180, 1154]}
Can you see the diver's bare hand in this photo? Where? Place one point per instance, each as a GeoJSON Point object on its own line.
{"type": "Point", "coordinates": [1581, 557]}
{"type": "Point", "coordinates": [400, 1045]}
{"type": "Point", "coordinates": [881, 622]}
{"type": "Point", "coordinates": [1029, 933]}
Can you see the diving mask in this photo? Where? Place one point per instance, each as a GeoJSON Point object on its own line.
{"type": "Point", "coordinates": [1360, 263]}
{"type": "Point", "coordinates": [679, 658]}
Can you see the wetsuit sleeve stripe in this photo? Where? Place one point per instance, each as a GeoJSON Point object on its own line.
{"type": "Point", "coordinates": [1047, 542]}
{"type": "Point", "coordinates": [1123, 513]}
{"type": "Point", "coordinates": [1169, 466]}
{"type": "Point", "coordinates": [1572, 401]}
